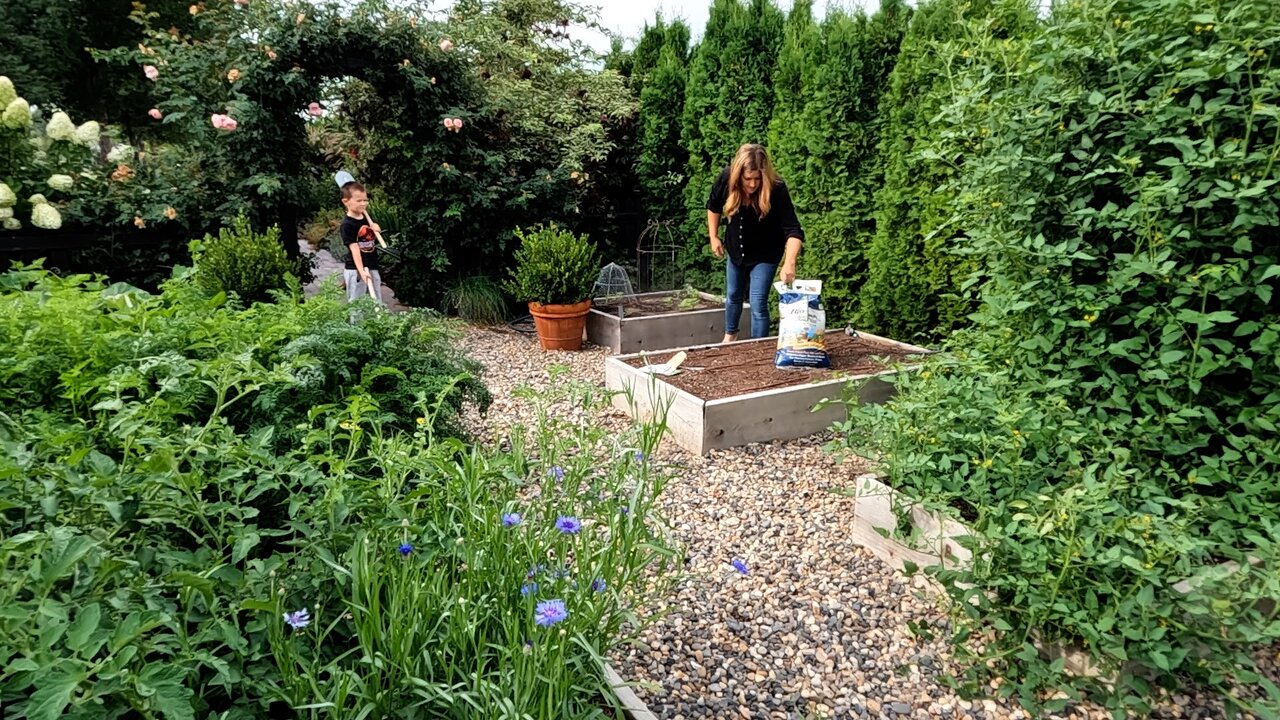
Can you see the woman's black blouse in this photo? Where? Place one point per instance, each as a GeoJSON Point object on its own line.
{"type": "Point", "coordinates": [749, 238]}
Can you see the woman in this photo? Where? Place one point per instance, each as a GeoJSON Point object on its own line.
{"type": "Point", "coordinates": [762, 231]}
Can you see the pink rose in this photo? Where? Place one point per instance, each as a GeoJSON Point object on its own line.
{"type": "Point", "coordinates": [457, 123]}
{"type": "Point", "coordinates": [242, 2]}
{"type": "Point", "coordinates": [314, 110]}
{"type": "Point", "coordinates": [150, 71]}
{"type": "Point", "coordinates": [223, 122]}
{"type": "Point", "coordinates": [446, 44]}
{"type": "Point", "coordinates": [155, 114]}
{"type": "Point", "coordinates": [448, 123]}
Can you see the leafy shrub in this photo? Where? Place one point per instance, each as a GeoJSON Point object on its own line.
{"type": "Point", "coordinates": [477, 299]}
{"type": "Point", "coordinates": [246, 263]}
{"type": "Point", "coordinates": [553, 266]}
{"type": "Point", "coordinates": [1107, 429]}
{"type": "Point", "coordinates": [151, 546]}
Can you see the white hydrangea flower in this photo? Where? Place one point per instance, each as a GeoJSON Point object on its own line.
{"type": "Point", "coordinates": [12, 224]}
{"type": "Point", "coordinates": [6, 213]}
{"type": "Point", "coordinates": [7, 198]}
{"type": "Point", "coordinates": [120, 154]}
{"type": "Point", "coordinates": [46, 216]}
{"type": "Point", "coordinates": [88, 133]}
{"type": "Point", "coordinates": [60, 182]}
{"type": "Point", "coordinates": [17, 115]}
{"type": "Point", "coordinates": [7, 93]}
{"type": "Point", "coordinates": [61, 128]}
{"type": "Point", "coordinates": [37, 199]}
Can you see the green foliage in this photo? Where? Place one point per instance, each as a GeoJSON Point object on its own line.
{"type": "Point", "coordinates": [826, 134]}
{"type": "Point", "coordinates": [663, 161]}
{"type": "Point", "coordinates": [914, 280]}
{"type": "Point", "coordinates": [46, 51]}
{"type": "Point", "coordinates": [477, 299]}
{"type": "Point", "coordinates": [151, 544]}
{"type": "Point", "coordinates": [1108, 427]}
{"type": "Point", "coordinates": [246, 263]}
{"type": "Point", "coordinates": [729, 100]}
{"type": "Point", "coordinates": [553, 266]}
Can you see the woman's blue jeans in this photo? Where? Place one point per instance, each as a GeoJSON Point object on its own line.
{"type": "Point", "coordinates": [738, 280]}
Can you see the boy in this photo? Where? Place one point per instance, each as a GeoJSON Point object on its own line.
{"type": "Point", "coordinates": [358, 234]}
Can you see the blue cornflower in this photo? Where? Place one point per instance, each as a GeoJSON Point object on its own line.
{"type": "Point", "coordinates": [550, 612]}
{"type": "Point", "coordinates": [740, 566]}
{"type": "Point", "coordinates": [528, 588]}
{"type": "Point", "coordinates": [533, 571]}
{"type": "Point", "coordinates": [624, 510]}
{"type": "Point", "coordinates": [510, 519]}
{"type": "Point", "coordinates": [640, 456]}
{"type": "Point", "coordinates": [556, 472]}
{"type": "Point", "coordinates": [568, 524]}
{"type": "Point", "coordinates": [405, 548]}
{"type": "Point", "coordinates": [298, 620]}
{"type": "Point", "coordinates": [598, 585]}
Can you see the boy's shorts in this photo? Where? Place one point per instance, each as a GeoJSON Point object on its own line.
{"type": "Point", "coordinates": [356, 288]}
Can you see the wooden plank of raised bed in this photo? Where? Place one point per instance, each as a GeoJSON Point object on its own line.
{"type": "Point", "coordinates": [632, 705]}
{"type": "Point", "coordinates": [650, 395]}
{"type": "Point", "coordinates": [776, 414]}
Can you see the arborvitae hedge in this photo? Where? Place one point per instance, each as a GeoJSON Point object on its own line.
{"type": "Point", "coordinates": [728, 101]}
{"type": "Point", "coordinates": [914, 287]}
{"type": "Point", "coordinates": [663, 162]}
{"type": "Point", "coordinates": [793, 84]}
{"type": "Point", "coordinates": [838, 128]}
{"type": "Point", "coordinates": [912, 283]}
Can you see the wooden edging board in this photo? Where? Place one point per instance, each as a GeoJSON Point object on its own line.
{"type": "Point", "coordinates": [632, 705]}
{"type": "Point", "coordinates": [663, 331]}
{"type": "Point", "coordinates": [934, 543]}
{"type": "Point", "coordinates": [700, 425]}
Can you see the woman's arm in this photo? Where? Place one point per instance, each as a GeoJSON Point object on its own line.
{"type": "Point", "coordinates": [713, 232]}
{"type": "Point", "coordinates": [715, 206]}
{"type": "Point", "coordinates": [790, 225]}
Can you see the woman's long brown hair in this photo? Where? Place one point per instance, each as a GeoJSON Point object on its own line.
{"type": "Point", "coordinates": [750, 157]}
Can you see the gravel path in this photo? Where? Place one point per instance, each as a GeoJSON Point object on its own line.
{"type": "Point", "coordinates": [818, 628]}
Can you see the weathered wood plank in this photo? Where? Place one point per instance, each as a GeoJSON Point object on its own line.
{"type": "Point", "coordinates": [644, 395]}
{"type": "Point", "coordinates": [632, 705]}
{"type": "Point", "coordinates": [679, 329]}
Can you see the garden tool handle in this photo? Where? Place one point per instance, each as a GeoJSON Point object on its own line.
{"type": "Point", "coordinates": [369, 219]}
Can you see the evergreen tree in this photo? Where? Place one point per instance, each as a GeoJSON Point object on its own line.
{"type": "Point", "coordinates": [913, 289]}
{"type": "Point", "coordinates": [729, 100]}
{"type": "Point", "coordinates": [663, 162]}
{"type": "Point", "coordinates": [644, 58]}
{"type": "Point", "coordinates": [843, 118]}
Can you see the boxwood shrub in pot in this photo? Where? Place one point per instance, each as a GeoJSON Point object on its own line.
{"type": "Point", "coordinates": [554, 272]}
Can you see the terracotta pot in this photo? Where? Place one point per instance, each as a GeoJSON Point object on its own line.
{"type": "Point", "coordinates": [560, 327]}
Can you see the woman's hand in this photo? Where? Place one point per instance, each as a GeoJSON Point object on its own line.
{"type": "Point", "coordinates": [788, 273]}
{"type": "Point", "coordinates": [366, 276]}
{"type": "Point", "coordinates": [717, 247]}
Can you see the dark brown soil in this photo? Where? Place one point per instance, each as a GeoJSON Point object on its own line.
{"type": "Point", "coordinates": [737, 369]}
{"type": "Point", "coordinates": [675, 301]}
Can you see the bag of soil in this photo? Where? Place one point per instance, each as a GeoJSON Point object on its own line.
{"type": "Point", "coordinates": [803, 326]}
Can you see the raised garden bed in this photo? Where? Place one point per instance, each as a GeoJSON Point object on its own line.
{"type": "Point", "coordinates": [932, 540]}
{"type": "Point", "coordinates": [731, 394]}
{"type": "Point", "coordinates": [659, 320]}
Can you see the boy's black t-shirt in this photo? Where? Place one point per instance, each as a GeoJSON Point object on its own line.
{"type": "Point", "coordinates": [356, 231]}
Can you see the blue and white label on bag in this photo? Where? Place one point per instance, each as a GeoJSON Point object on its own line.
{"type": "Point", "coordinates": [803, 326]}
